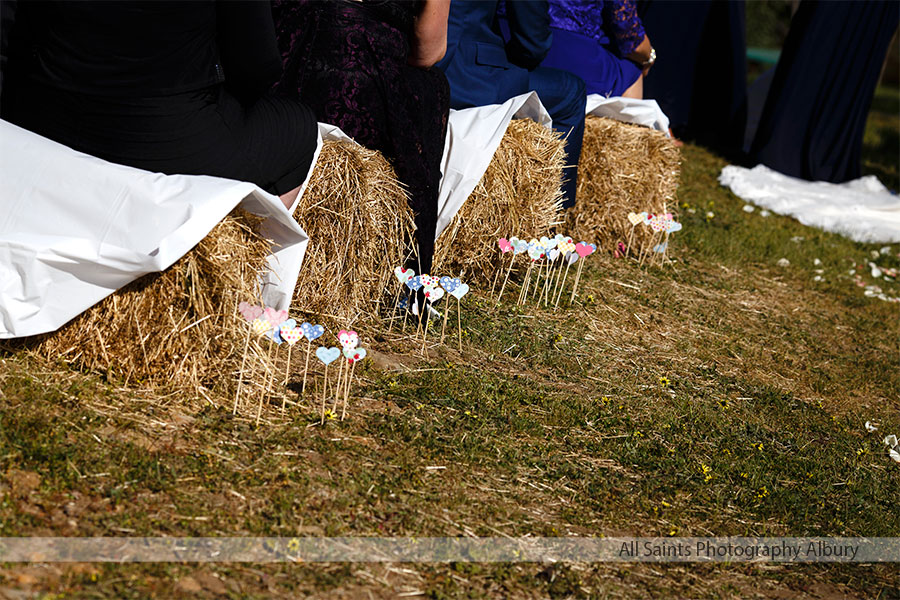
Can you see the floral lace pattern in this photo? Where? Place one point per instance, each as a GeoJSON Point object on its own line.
{"type": "Point", "coordinates": [606, 21]}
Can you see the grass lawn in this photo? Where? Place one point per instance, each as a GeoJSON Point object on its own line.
{"type": "Point", "coordinates": [722, 395]}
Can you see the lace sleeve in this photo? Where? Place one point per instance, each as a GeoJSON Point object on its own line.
{"type": "Point", "coordinates": [622, 22]}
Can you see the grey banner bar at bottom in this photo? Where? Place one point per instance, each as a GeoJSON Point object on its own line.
{"type": "Point", "coordinates": [449, 549]}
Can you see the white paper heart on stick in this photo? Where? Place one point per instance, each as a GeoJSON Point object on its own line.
{"type": "Point", "coordinates": [460, 291]}
{"type": "Point", "coordinates": [403, 275]}
{"type": "Point", "coordinates": [572, 258]}
{"type": "Point", "coordinates": [634, 218]}
{"type": "Point", "coordinates": [433, 294]}
{"type": "Point", "coordinates": [553, 254]}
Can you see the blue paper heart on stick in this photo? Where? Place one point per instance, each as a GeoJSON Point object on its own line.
{"type": "Point", "coordinates": [275, 333]}
{"type": "Point", "coordinates": [327, 355]}
{"type": "Point", "coordinates": [311, 331]}
{"type": "Point", "coordinates": [415, 283]}
{"type": "Point", "coordinates": [660, 248]}
{"type": "Point", "coordinates": [449, 283]}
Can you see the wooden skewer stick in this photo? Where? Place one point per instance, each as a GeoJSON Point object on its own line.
{"type": "Point", "coordinates": [324, 391]}
{"type": "Point", "coordinates": [306, 367]}
{"type": "Point", "coordinates": [287, 373]}
{"type": "Point", "coordinates": [459, 322]}
{"type": "Point", "coordinates": [240, 386]}
{"type": "Point", "coordinates": [339, 385]}
{"type": "Point", "coordinates": [347, 392]}
{"type": "Point", "coordinates": [396, 301]}
{"type": "Point", "coordinates": [270, 375]}
{"type": "Point", "coordinates": [524, 290]}
{"type": "Point", "coordinates": [577, 279]}
{"type": "Point", "coordinates": [446, 315]}
{"type": "Point", "coordinates": [505, 279]}
{"type": "Point", "coordinates": [427, 323]}
{"type": "Point", "coordinates": [630, 238]}
{"type": "Point", "coordinates": [563, 286]}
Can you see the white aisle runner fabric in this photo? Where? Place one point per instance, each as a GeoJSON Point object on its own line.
{"type": "Point", "coordinates": [628, 110]}
{"type": "Point", "coordinates": [862, 210]}
{"type": "Point", "coordinates": [74, 229]}
{"type": "Point", "coordinates": [473, 135]}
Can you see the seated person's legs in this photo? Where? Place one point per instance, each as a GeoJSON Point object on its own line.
{"type": "Point", "coordinates": [563, 95]}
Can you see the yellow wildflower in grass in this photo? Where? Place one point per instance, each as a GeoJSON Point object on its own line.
{"type": "Point", "coordinates": [294, 545]}
{"type": "Point", "coordinates": [707, 472]}
{"type": "Point", "coordinates": [758, 446]}
{"type": "Point", "coordinates": [664, 381]}
{"type": "Point", "coordinates": [762, 493]}
{"type": "Point", "coordinates": [605, 400]}
{"type": "Point", "coordinates": [329, 416]}
{"type": "Point", "coordinates": [744, 475]}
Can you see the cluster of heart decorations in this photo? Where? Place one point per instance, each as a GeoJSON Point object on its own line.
{"type": "Point", "coordinates": [277, 327]}
{"type": "Point", "coordinates": [433, 290]}
{"type": "Point", "coordinates": [550, 259]}
{"type": "Point", "coordinates": [660, 225]}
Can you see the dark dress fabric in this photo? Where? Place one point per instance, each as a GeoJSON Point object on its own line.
{"type": "Point", "coordinates": [700, 76]}
{"type": "Point", "coordinates": [171, 87]}
{"type": "Point", "coordinates": [814, 118]}
{"type": "Point", "coordinates": [484, 68]}
{"type": "Point", "coordinates": [348, 61]}
{"type": "Point", "coordinates": [591, 39]}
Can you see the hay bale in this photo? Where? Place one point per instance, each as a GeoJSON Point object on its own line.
{"type": "Point", "coordinates": [178, 328]}
{"type": "Point", "coordinates": [359, 225]}
{"type": "Point", "coordinates": [519, 195]}
{"type": "Point", "coordinates": [623, 168]}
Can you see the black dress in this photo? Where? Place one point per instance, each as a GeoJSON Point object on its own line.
{"type": "Point", "coordinates": [700, 78]}
{"type": "Point", "coordinates": [348, 61]}
{"type": "Point", "coordinates": [815, 113]}
{"type": "Point", "coordinates": [173, 87]}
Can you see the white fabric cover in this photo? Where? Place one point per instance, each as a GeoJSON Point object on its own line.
{"type": "Point", "coordinates": [74, 228]}
{"type": "Point", "coordinates": [473, 135]}
{"type": "Point", "coordinates": [628, 110]}
{"type": "Point", "coordinates": [863, 209]}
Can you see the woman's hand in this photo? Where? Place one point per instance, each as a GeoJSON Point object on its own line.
{"type": "Point", "coordinates": [643, 55]}
{"type": "Point", "coordinates": [429, 43]}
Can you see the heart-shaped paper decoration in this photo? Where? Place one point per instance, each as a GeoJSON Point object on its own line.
{"type": "Point", "coordinates": [327, 355]}
{"type": "Point", "coordinates": [547, 243]}
{"type": "Point", "coordinates": [560, 238]}
{"type": "Point", "coordinates": [402, 302]}
{"type": "Point", "coordinates": [429, 280]}
{"type": "Point", "coordinates": [275, 317]}
{"type": "Point", "coordinates": [660, 248]}
{"type": "Point", "coordinates": [291, 335]}
{"type": "Point", "coordinates": [504, 244]}
{"type": "Point", "coordinates": [519, 246]}
{"type": "Point", "coordinates": [584, 249]}
{"type": "Point", "coordinates": [433, 294]}
{"type": "Point", "coordinates": [354, 354]}
{"type": "Point", "coordinates": [414, 283]}
{"type": "Point", "coordinates": [658, 224]}
{"type": "Point", "coordinates": [403, 275]}
{"type": "Point", "coordinates": [260, 326]}
{"type": "Point", "coordinates": [673, 226]}
{"type": "Point", "coordinates": [634, 218]}
{"type": "Point", "coordinates": [553, 254]}
{"type": "Point", "coordinates": [250, 311]}
{"type": "Point", "coordinates": [276, 331]}
{"type": "Point", "coordinates": [535, 252]}
{"type": "Point", "coordinates": [572, 258]}
{"type": "Point", "coordinates": [566, 247]}
{"type": "Point", "coordinates": [460, 291]}
{"type": "Point", "coordinates": [311, 331]}
{"type": "Point", "coordinates": [646, 217]}
{"type": "Point", "coordinates": [449, 283]}
{"type": "Point", "coordinates": [348, 339]}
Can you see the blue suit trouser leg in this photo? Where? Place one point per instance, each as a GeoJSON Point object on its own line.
{"type": "Point", "coordinates": [563, 95]}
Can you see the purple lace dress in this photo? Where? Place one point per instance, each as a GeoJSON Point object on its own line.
{"type": "Point", "coordinates": [347, 60]}
{"type": "Point", "coordinates": [591, 39]}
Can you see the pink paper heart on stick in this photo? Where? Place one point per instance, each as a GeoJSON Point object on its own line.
{"type": "Point", "coordinates": [275, 317]}
{"type": "Point", "coordinates": [348, 339]}
{"type": "Point", "coordinates": [250, 311]}
{"type": "Point", "coordinates": [505, 245]}
{"type": "Point", "coordinates": [584, 249]}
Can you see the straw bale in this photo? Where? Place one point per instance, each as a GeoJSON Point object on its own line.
{"type": "Point", "coordinates": [623, 168]}
{"type": "Point", "coordinates": [359, 225]}
{"type": "Point", "coordinates": [519, 195]}
{"type": "Point", "coordinates": [178, 328]}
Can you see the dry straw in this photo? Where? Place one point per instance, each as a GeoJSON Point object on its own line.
{"type": "Point", "coordinates": [623, 168]}
{"type": "Point", "coordinates": [359, 225]}
{"type": "Point", "coordinates": [519, 195]}
{"type": "Point", "coordinates": [178, 328]}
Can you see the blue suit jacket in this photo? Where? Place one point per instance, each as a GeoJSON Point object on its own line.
{"type": "Point", "coordinates": [480, 66]}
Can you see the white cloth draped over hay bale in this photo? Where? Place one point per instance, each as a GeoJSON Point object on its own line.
{"type": "Point", "coordinates": [502, 175]}
{"type": "Point", "coordinates": [623, 168]}
{"type": "Point", "coordinates": [142, 271]}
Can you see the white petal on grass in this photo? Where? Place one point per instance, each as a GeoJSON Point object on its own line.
{"type": "Point", "coordinates": [783, 262]}
{"type": "Point", "coordinates": [891, 441]}
{"type": "Point", "coordinates": [871, 426]}
{"type": "Point", "coordinates": [894, 455]}
{"type": "Point", "coordinates": [749, 208]}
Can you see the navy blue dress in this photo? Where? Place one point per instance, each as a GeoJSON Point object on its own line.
{"type": "Point", "coordinates": [814, 118]}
